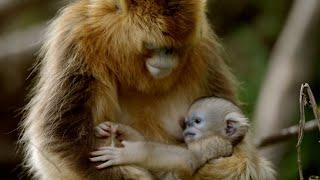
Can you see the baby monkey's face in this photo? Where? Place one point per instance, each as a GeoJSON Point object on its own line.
{"type": "Point", "coordinates": [194, 128]}
{"type": "Point", "coordinates": [214, 117]}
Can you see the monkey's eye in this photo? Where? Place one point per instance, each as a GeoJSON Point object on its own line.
{"type": "Point", "coordinates": [168, 51]}
{"type": "Point", "coordinates": [197, 120]}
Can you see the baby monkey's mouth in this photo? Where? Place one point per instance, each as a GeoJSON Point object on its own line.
{"type": "Point", "coordinates": [188, 134]}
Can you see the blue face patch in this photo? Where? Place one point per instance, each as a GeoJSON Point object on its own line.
{"type": "Point", "coordinates": [196, 120]}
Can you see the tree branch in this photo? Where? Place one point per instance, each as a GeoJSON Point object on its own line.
{"type": "Point", "coordinates": [286, 134]}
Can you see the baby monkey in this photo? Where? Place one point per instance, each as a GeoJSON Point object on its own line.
{"type": "Point", "coordinates": [212, 128]}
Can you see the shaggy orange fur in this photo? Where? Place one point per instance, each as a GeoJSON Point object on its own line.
{"type": "Point", "coordinates": [244, 164]}
{"type": "Point", "coordinates": [93, 70]}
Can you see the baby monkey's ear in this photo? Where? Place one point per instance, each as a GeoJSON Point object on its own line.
{"type": "Point", "coordinates": [237, 126]}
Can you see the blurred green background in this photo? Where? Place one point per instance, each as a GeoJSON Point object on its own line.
{"type": "Point", "coordinates": [248, 30]}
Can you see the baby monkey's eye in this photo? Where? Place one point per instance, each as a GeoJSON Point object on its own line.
{"type": "Point", "coordinates": [197, 120]}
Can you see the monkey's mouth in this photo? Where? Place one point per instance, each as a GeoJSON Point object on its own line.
{"type": "Point", "coordinates": [189, 134]}
{"type": "Point", "coordinates": [159, 66]}
{"type": "Point", "coordinates": [159, 70]}
{"type": "Point", "coordinates": [162, 62]}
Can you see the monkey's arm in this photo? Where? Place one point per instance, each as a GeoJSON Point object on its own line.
{"type": "Point", "coordinates": [72, 95]}
{"type": "Point", "coordinates": [149, 155]}
{"type": "Point", "coordinates": [211, 147]}
{"type": "Point", "coordinates": [165, 157]}
{"type": "Point", "coordinates": [128, 133]}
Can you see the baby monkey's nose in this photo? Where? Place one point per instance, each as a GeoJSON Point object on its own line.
{"type": "Point", "coordinates": [189, 123]}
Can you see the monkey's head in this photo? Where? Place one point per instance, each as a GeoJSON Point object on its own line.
{"type": "Point", "coordinates": [148, 42]}
{"type": "Point", "coordinates": [215, 117]}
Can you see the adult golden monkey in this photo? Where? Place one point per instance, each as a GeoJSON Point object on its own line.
{"type": "Point", "coordinates": [136, 62]}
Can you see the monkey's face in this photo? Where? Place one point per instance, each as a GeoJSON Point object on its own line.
{"type": "Point", "coordinates": [215, 117]}
{"type": "Point", "coordinates": [194, 126]}
{"type": "Point", "coordinates": [201, 124]}
{"type": "Point", "coordinates": [148, 42]}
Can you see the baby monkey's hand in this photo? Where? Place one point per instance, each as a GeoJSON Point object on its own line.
{"type": "Point", "coordinates": [131, 153]}
{"type": "Point", "coordinates": [119, 131]}
{"type": "Point", "coordinates": [105, 129]}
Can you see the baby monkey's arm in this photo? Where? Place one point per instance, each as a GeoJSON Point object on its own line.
{"type": "Point", "coordinates": [212, 147]}
{"type": "Point", "coordinates": [152, 155]}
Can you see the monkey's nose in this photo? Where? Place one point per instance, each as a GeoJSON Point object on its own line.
{"type": "Point", "coordinates": [189, 123]}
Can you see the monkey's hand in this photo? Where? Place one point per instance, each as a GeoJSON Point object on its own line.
{"type": "Point", "coordinates": [131, 153]}
{"type": "Point", "coordinates": [127, 133]}
{"type": "Point", "coordinates": [121, 131]}
{"type": "Point", "coordinates": [104, 130]}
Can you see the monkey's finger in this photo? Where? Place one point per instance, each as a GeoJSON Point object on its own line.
{"type": "Point", "coordinates": [105, 126]}
{"type": "Point", "coordinates": [102, 148]}
{"type": "Point", "coordinates": [109, 148]}
{"type": "Point", "coordinates": [108, 123]}
{"type": "Point", "coordinates": [102, 133]}
{"type": "Point", "coordinates": [103, 152]}
{"type": "Point", "coordinates": [107, 164]}
{"type": "Point", "coordinates": [102, 158]}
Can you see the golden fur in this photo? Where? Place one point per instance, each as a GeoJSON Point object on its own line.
{"type": "Point", "coordinates": [244, 164]}
{"type": "Point", "coordinates": [93, 70]}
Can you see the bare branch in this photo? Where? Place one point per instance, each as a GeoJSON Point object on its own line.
{"type": "Point", "coordinates": [287, 133]}
{"type": "Point", "coordinates": [302, 103]}
{"type": "Point", "coordinates": [313, 103]}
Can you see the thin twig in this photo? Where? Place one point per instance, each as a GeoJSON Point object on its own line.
{"type": "Point", "coordinates": [313, 104]}
{"type": "Point", "coordinates": [302, 102]}
{"type": "Point", "coordinates": [306, 98]}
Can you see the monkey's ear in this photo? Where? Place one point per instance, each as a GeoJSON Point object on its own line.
{"type": "Point", "coordinates": [236, 126]}
{"type": "Point", "coordinates": [123, 5]}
